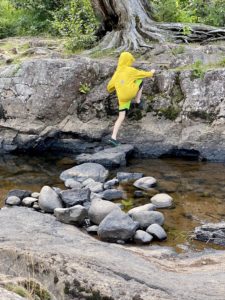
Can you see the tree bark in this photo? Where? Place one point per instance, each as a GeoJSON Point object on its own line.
{"type": "Point", "coordinates": [128, 24]}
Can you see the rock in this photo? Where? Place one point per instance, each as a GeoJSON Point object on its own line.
{"type": "Point", "coordinates": [19, 193]}
{"type": "Point", "coordinates": [111, 157]}
{"type": "Point", "coordinates": [8, 295]}
{"type": "Point", "coordinates": [111, 194]}
{"type": "Point", "coordinates": [142, 237]}
{"type": "Point", "coordinates": [35, 195]}
{"type": "Point", "coordinates": [73, 215]}
{"type": "Point", "coordinates": [36, 206]}
{"type": "Point", "coordinates": [75, 196]}
{"type": "Point", "coordinates": [85, 171]}
{"type": "Point", "coordinates": [99, 209]}
{"type": "Point", "coordinates": [139, 194]}
{"type": "Point", "coordinates": [146, 207]}
{"type": "Point", "coordinates": [92, 229]}
{"type": "Point", "coordinates": [145, 183]}
{"type": "Point", "coordinates": [95, 187]}
{"type": "Point", "coordinates": [146, 218]}
{"type": "Point", "coordinates": [211, 232]}
{"type": "Point", "coordinates": [110, 183]}
{"type": "Point", "coordinates": [157, 231]}
{"type": "Point", "coordinates": [126, 177]}
{"type": "Point", "coordinates": [117, 226]}
{"type": "Point", "coordinates": [88, 181]}
{"type": "Point", "coordinates": [29, 201]}
{"type": "Point", "coordinates": [49, 199]}
{"type": "Point", "coordinates": [13, 200]}
{"type": "Point", "coordinates": [162, 200]}
{"type": "Point", "coordinates": [71, 183]}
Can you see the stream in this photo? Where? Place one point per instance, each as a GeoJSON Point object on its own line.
{"type": "Point", "coordinates": [198, 189]}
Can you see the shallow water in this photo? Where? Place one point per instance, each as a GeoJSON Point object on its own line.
{"type": "Point", "coordinates": [198, 189]}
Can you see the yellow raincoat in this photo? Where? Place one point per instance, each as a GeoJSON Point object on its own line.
{"type": "Point", "coordinates": [124, 80]}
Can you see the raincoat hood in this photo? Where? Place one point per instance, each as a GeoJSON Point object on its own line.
{"type": "Point", "coordinates": [125, 59]}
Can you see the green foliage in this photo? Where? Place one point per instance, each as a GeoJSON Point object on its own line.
{"type": "Point", "coordinates": [84, 88]}
{"type": "Point", "coordinates": [197, 70]}
{"type": "Point", "coordinates": [170, 112]}
{"type": "Point", "coordinates": [210, 12]}
{"type": "Point", "coordinates": [77, 21]}
{"type": "Point", "coordinates": [178, 50]}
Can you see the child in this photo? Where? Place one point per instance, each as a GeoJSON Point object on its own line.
{"type": "Point", "coordinates": [127, 82]}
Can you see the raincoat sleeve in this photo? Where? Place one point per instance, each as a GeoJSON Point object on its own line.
{"type": "Point", "coordinates": [139, 74]}
{"type": "Point", "coordinates": [111, 84]}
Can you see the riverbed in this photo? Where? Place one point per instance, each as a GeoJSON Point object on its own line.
{"type": "Point", "coordinates": [198, 189]}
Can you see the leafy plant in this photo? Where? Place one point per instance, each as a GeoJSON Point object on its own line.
{"type": "Point", "coordinates": [84, 88]}
{"type": "Point", "coordinates": [197, 70]}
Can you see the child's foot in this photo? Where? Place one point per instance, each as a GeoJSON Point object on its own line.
{"type": "Point", "coordinates": [114, 142]}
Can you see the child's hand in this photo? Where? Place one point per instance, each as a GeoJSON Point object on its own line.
{"type": "Point", "coordinates": [153, 71]}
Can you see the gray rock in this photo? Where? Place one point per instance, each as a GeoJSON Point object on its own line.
{"type": "Point", "coordinates": [146, 207]}
{"type": "Point", "coordinates": [95, 187]}
{"type": "Point", "coordinates": [13, 200]}
{"type": "Point", "coordinates": [110, 183]}
{"type": "Point", "coordinates": [211, 232]}
{"type": "Point", "coordinates": [88, 181]}
{"type": "Point", "coordinates": [142, 237]}
{"type": "Point", "coordinates": [49, 199]}
{"type": "Point", "coordinates": [111, 157]}
{"type": "Point", "coordinates": [29, 201]}
{"type": "Point", "coordinates": [85, 171]}
{"type": "Point", "coordinates": [145, 183]}
{"type": "Point", "coordinates": [162, 200]}
{"type": "Point", "coordinates": [19, 193]}
{"type": "Point", "coordinates": [117, 226]}
{"type": "Point", "coordinates": [36, 206]}
{"type": "Point", "coordinates": [157, 231]}
{"type": "Point", "coordinates": [35, 195]}
{"type": "Point", "coordinates": [99, 209]}
{"type": "Point", "coordinates": [8, 295]}
{"type": "Point", "coordinates": [126, 177]}
{"type": "Point", "coordinates": [92, 229]}
{"type": "Point", "coordinates": [146, 218]}
{"type": "Point", "coordinates": [112, 194]}
{"type": "Point", "coordinates": [73, 215]}
{"type": "Point", "coordinates": [71, 183]}
{"type": "Point", "coordinates": [75, 196]}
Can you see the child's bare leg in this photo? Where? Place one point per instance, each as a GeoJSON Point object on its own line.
{"type": "Point", "coordinates": [138, 96]}
{"type": "Point", "coordinates": [118, 123]}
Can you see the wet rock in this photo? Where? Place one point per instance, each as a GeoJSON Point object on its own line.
{"type": "Point", "coordinates": [75, 196]}
{"type": "Point", "coordinates": [85, 171]}
{"type": "Point", "coordinates": [71, 183]}
{"type": "Point", "coordinates": [110, 157]}
{"type": "Point", "coordinates": [157, 231]}
{"type": "Point", "coordinates": [146, 218]}
{"type": "Point", "coordinates": [142, 237]}
{"type": "Point", "coordinates": [162, 200]}
{"type": "Point", "coordinates": [99, 209]}
{"type": "Point", "coordinates": [49, 199]}
{"type": "Point", "coordinates": [117, 226]}
{"type": "Point", "coordinates": [19, 193]}
{"type": "Point", "coordinates": [126, 176]}
{"type": "Point", "coordinates": [73, 215]}
{"type": "Point", "coordinates": [111, 194]}
{"type": "Point", "coordinates": [110, 183]}
{"type": "Point", "coordinates": [13, 200]}
{"type": "Point", "coordinates": [145, 183]}
{"type": "Point", "coordinates": [146, 207]}
{"type": "Point", "coordinates": [29, 201]}
{"type": "Point", "coordinates": [211, 232]}
{"type": "Point", "coordinates": [92, 229]}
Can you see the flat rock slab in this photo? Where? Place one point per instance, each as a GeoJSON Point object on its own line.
{"type": "Point", "coordinates": [78, 262]}
{"type": "Point", "coordinates": [110, 157]}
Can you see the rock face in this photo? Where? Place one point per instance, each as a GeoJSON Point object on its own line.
{"type": "Point", "coordinates": [85, 171]}
{"type": "Point", "coordinates": [117, 226]}
{"type": "Point", "coordinates": [184, 115]}
{"type": "Point", "coordinates": [213, 233]}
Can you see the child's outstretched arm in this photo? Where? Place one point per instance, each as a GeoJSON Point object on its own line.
{"type": "Point", "coordinates": [139, 74]}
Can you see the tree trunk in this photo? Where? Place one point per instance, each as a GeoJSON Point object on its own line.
{"type": "Point", "coordinates": [127, 24]}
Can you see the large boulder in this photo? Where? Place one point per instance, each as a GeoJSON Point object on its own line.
{"type": "Point", "coordinates": [117, 226]}
{"type": "Point", "coordinates": [85, 171]}
{"type": "Point", "coordinates": [73, 215]}
{"type": "Point", "coordinates": [99, 209]}
{"type": "Point", "coordinates": [110, 157]}
{"type": "Point", "coordinates": [214, 233]}
{"type": "Point", "coordinates": [146, 218]}
{"type": "Point", "coordinates": [49, 199]}
{"type": "Point", "coordinates": [75, 196]}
